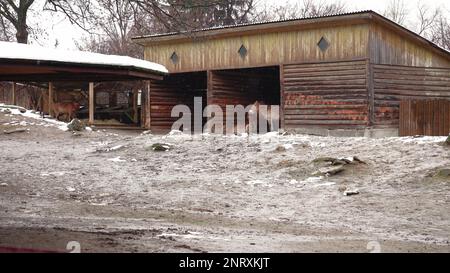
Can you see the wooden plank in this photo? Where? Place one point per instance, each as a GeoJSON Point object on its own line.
{"type": "Point", "coordinates": [424, 117]}
{"type": "Point", "coordinates": [50, 98]}
{"type": "Point", "coordinates": [282, 98]}
{"type": "Point", "coordinates": [91, 103]}
{"type": "Point", "coordinates": [148, 122]}
{"type": "Point", "coordinates": [370, 93]}
{"type": "Point", "coordinates": [13, 94]}
{"type": "Point", "coordinates": [135, 105]}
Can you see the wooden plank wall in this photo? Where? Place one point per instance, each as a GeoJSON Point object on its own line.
{"type": "Point", "coordinates": [244, 86]}
{"type": "Point", "coordinates": [173, 90]}
{"type": "Point", "coordinates": [5, 92]}
{"type": "Point", "coordinates": [388, 47]}
{"type": "Point", "coordinates": [23, 94]}
{"type": "Point", "coordinates": [264, 48]}
{"type": "Point", "coordinates": [424, 117]}
{"type": "Point", "coordinates": [393, 84]}
{"type": "Point", "coordinates": [330, 95]}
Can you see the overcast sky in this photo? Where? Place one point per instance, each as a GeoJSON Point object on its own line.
{"type": "Point", "coordinates": [60, 29]}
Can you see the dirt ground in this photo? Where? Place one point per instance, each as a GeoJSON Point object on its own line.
{"type": "Point", "coordinates": [111, 192]}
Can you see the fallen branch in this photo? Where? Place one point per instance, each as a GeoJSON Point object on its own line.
{"type": "Point", "coordinates": [20, 130]}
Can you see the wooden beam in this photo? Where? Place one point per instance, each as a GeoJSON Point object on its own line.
{"type": "Point", "coordinates": [135, 105]}
{"type": "Point", "coordinates": [50, 98]}
{"type": "Point", "coordinates": [146, 103]}
{"type": "Point", "coordinates": [370, 93]}
{"type": "Point", "coordinates": [282, 98]}
{"type": "Point", "coordinates": [13, 94]}
{"type": "Point", "coordinates": [91, 103]}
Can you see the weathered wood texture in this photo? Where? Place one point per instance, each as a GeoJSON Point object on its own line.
{"type": "Point", "coordinates": [173, 90]}
{"type": "Point", "coordinates": [424, 117]}
{"type": "Point", "coordinates": [332, 95]}
{"type": "Point", "coordinates": [393, 84]}
{"type": "Point", "coordinates": [91, 102]}
{"type": "Point", "coordinates": [264, 49]}
{"type": "Point", "coordinates": [244, 87]}
{"type": "Point", "coordinates": [22, 97]}
{"type": "Point", "coordinates": [388, 47]}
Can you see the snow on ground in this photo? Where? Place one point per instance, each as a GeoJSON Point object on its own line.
{"type": "Point", "coordinates": [233, 193]}
{"type": "Point", "coordinates": [39, 120]}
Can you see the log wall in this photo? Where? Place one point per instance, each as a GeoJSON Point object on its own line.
{"type": "Point", "coordinates": [393, 84]}
{"type": "Point", "coordinates": [173, 90]}
{"type": "Point", "coordinates": [329, 95]}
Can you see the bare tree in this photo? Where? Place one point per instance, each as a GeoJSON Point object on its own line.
{"type": "Point", "coordinates": [304, 9]}
{"type": "Point", "coordinates": [15, 11]}
{"type": "Point", "coordinates": [6, 30]}
{"type": "Point", "coordinates": [426, 17]}
{"type": "Point", "coordinates": [440, 32]}
{"type": "Point", "coordinates": [397, 11]}
{"type": "Point", "coordinates": [114, 27]}
{"type": "Point", "coordinates": [179, 15]}
{"type": "Point", "coordinates": [79, 12]}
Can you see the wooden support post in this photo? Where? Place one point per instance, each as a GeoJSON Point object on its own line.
{"type": "Point", "coordinates": [135, 106]}
{"type": "Point", "coordinates": [147, 105]}
{"type": "Point", "coordinates": [13, 94]}
{"type": "Point", "coordinates": [91, 103]}
{"type": "Point", "coordinates": [50, 98]}
{"type": "Point", "coordinates": [370, 94]}
{"type": "Point", "coordinates": [282, 98]}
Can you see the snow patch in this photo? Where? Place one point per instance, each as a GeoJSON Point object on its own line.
{"type": "Point", "coordinates": [422, 139]}
{"type": "Point", "coordinates": [53, 174]}
{"type": "Point", "coordinates": [116, 159]}
{"type": "Point", "coordinates": [46, 122]}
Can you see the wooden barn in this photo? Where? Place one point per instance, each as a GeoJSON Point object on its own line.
{"type": "Point", "coordinates": [346, 73]}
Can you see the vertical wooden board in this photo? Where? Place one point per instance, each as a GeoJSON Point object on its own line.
{"type": "Point", "coordinates": [50, 98]}
{"type": "Point", "coordinates": [282, 98]}
{"type": "Point", "coordinates": [401, 119]}
{"type": "Point", "coordinates": [447, 119]}
{"type": "Point", "coordinates": [144, 106]}
{"type": "Point", "coordinates": [209, 88]}
{"type": "Point", "coordinates": [135, 106]}
{"type": "Point", "coordinates": [91, 103]}
{"type": "Point", "coordinates": [426, 117]}
{"type": "Point", "coordinates": [370, 93]}
{"type": "Point", "coordinates": [14, 94]}
{"type": "Point", "coordinates": [148, 100]}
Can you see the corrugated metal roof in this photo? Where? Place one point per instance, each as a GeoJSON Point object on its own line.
{"type": "Point", "coordinates": [251, 24]}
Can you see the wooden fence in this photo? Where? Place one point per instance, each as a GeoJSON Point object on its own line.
{"type": "Point", "coordinates": [424, 117]}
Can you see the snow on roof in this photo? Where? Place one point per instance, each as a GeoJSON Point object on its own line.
{"type": "Point", "coordinates": [10, 50]}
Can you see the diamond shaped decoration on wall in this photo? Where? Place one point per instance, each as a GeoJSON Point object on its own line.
{"type": "Point", "coordinates": [242, 51]}
{"type": "Point", "coordinates": [323, 44]}
{"type": "Point", "coordinates": [174, 58]}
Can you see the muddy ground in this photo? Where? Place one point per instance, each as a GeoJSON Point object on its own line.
{"type": "Point", "coordinates": [111, 192]}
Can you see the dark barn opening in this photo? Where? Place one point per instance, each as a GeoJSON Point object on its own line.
{"type": "Point", "coordinates": [245, 87]}
{"type": "Point", "coordinates": [175, 89]}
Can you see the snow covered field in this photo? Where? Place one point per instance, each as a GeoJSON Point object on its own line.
{"type": "Point", "coordinates": [112, 191]}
